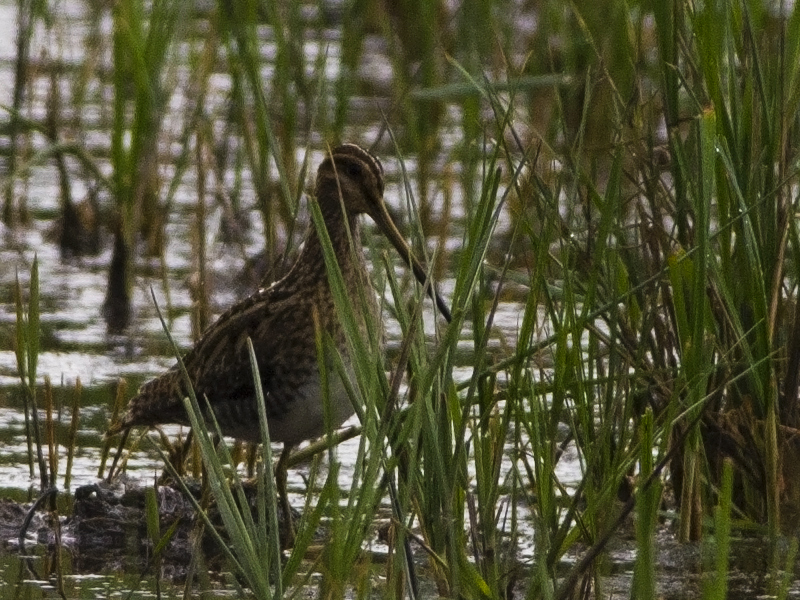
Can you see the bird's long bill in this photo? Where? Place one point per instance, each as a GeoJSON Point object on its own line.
{"type": "Point", "coordinates": [385, 223]}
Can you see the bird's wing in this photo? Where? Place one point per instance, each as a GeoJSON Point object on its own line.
{"type": "Point", "coordinates": [219, 365]}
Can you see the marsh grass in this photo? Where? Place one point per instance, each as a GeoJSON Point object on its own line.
{"type": "Point", "coordinates": [13, 207]}
{"type": "Point", "coordinates": [27, 352]}
{"type": "Point", "coordinates": [633, 186]}
{"type": "Point", "coordinates": [141, 52]}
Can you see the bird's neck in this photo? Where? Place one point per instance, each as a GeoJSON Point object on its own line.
{"type": "Point", "coordinates": [341, 230]}
{"type": "Point", "coordinates": [311, 273]}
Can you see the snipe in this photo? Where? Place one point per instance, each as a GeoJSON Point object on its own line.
{"type": "Point", "coordinates": [280, 321]}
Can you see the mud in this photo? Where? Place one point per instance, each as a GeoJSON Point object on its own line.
{"type": "Point", "coordinates": [107, 530]}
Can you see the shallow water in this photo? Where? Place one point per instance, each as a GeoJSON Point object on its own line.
{"type": "Point", "coordinates": [75, 342]}
{"type": "Point", "coordinates": [76, 345]}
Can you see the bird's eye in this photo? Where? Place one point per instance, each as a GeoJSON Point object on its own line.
{"type": "Point", "coordinates": [353, 170]}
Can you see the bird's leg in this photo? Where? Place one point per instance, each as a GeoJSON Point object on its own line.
{"type": "Point", "coordinates": [118, 454]}
{"type": "Point", "coordinates": [177, 458]}
{"type": "Point", "coordinates": [280, 481]}
{"type": "Point", "coordinates": [180, 459]}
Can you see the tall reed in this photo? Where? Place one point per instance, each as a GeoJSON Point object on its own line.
{"type": "Point", "coordinates": [142, 43]}
{"type": "Point", "coordinates": [27, 349]}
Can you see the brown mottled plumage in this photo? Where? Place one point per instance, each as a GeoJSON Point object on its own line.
{"type": "Point", "coordinates": [279, 320]}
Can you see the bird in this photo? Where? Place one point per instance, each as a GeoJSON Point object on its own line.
{"type": "Point", "coordinates": [281, 320]}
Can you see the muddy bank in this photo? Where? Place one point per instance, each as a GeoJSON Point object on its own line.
{"type": "Point", "coordinates": [107, 530]}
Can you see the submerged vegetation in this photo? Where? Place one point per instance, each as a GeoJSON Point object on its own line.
{"type": "Point", "coordinates": [620, 177]}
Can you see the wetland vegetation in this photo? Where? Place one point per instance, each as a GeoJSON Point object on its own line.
{"type": "Point", "coordinates": [606, 194]}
